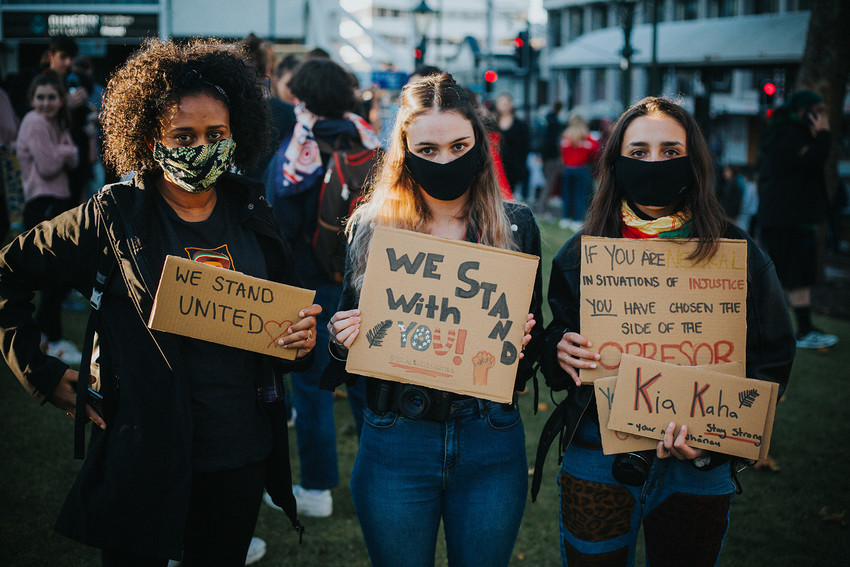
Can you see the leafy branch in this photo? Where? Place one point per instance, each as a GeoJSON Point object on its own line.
{"type": "Point", "coordinates": [376, 334]}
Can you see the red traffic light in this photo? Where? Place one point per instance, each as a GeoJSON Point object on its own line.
{"type": "Point", "coordinates": [769, 89]}
{"type": "Point", "coordinates": [490, 76]}
{"type": "Point", "coordinates": [417, 53]}
{"type": "Point", "coordinates": [518, 42]}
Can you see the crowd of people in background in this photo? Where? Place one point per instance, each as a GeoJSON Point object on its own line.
{"type": "Point", "coordinates": [513, 167]}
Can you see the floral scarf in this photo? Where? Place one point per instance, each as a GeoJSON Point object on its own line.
{"type": "Point", "coordinates": [673, 226]}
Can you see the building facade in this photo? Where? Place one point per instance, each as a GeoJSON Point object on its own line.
{"type": "Point", "coordinates": [714, 56]}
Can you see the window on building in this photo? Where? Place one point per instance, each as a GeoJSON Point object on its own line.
{"type": "Point", "coordinates": [599, 84]}
{"type": "Point", "coordinates": [574, 97]}
{"type": "Point", "coordinates": [556, 36]}
{"type": "Point", "coordinates": [721, 8]}
{"type": "Point", "coordinates": [685, 10]}
{"type": "Point", "coordinates": [598, 16]}
{"type": "Point", "coordinates": [576, 22]}
{"type": "Point", "coordinates": [761, 6]}
{"type": "Point", "coordinates": [798, 5]}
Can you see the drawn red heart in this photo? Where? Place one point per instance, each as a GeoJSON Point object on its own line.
{"type": "Point", "coordinates": [276, 334]}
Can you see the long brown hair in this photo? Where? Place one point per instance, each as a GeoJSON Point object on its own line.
{"type": "Point", "coordinates": [50, 78]}
{"type": "Point", "coordinates": [708, 222]}
{"type": "Point", "coordinates": [395, 200]}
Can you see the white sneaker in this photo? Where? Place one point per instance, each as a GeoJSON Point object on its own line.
{"type": "Point", "coordinates": [256, 551]}
{"type": "Point", "coordinates": [65, 351]}
{"type": "Point", "coordinates": [314, 503]}
{"type": "Point", "coordinates": [267, 498]}
{"type": "Point", "coordinates": [816, 339]}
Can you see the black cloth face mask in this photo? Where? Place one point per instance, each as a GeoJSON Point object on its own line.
{"type": "Point", "coordinates": [654, 183]}
{"type": "Point", "coordinates": [445, 181]}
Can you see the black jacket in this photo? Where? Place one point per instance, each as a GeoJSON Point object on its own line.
{"type": "Point", "coordinates": [527, 236]}
{"type": "Point", "coordinates": [132, 492]}
{"type": "Point", "coordinates": [770, 338]}
{"type": "Point", "coordinates": [791, 185]}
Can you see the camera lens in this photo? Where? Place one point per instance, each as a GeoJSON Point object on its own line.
{"type": "Point", "coordinates": [632, 468]}
{"type": "Point", "coordinates": [414, 402]}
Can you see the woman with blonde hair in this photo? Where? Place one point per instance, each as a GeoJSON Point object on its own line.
{"type": "Point", "coordinates": [467, 469]}
{"type": "Point", "coordinates": [578, 151]}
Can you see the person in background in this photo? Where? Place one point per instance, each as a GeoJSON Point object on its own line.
{"type": "Point", "coordinates": [282, 74]}
{"type": "Point", "coordinates": [467, 469]}
{"type": "Point", "coordinates": [656, 181]}
{"type": "Point", "coordinates": [8, 134]}
{"type": "Point", "coordinates": [188, 432]}
{"type": "Point", "coordinates": [730, 191]}
{"type": "Point", "coordinates": [47, 154]}
{"type": "Point", "coordinates": [324, 91]}
{"type": "Point", "coordinates": [514, 146]}
{"type": "Point", "coordinates": [551, 152]}
{"type": "Point", "coordinates": [578, 152]}
{"type": "Point", "coordinates": [793, 201]}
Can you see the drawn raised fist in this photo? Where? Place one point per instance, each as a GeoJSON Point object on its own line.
{"type": "Point", "coordinates": [481, 365]}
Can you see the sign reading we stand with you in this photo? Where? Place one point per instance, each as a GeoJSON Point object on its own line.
{"type": "Point", "coordinates": [443, 313]}
{"type": "Point", "coordinates": [646, 298]}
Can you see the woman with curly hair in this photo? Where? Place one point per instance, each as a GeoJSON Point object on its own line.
{"type": "Point", "coordinates": [188, 432]}
{"type": "Point", "coordinates": [464, 466]}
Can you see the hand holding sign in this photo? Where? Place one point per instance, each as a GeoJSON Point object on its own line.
{"type": "Point", "coordinates": [573, 355]}
{"type": "Point", "coordinates": [302, 335]}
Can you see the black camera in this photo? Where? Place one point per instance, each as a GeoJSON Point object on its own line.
{"type": "Point", "coordinates": [633, 468]}
{"type": "Point", "coordinates": [412, 401]}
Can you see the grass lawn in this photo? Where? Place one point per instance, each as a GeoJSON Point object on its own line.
{"type": "Point", "coordinates": [775, 522]}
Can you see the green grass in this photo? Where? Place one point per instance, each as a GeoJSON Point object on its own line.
{"type": "Point", "coordinates": [775, 522]}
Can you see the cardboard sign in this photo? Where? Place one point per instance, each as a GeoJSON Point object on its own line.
{"type": "Point", "coordinates": [723, 413]}
{"type": "Point", "coordinates": [644, 297]}
{"type": "Point", "coordinates": [226, 307]}
{"type": "Point", "coordinates": [443, 313]}
{"type": "Point", "coordinates": [619, 442]}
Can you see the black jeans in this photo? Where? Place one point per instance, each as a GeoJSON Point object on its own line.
{"type": "Point", "coordinates": [222, 516]}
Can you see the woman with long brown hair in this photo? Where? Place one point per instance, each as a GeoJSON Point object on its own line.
{"type": "Point", "coordinates": [656, 182]}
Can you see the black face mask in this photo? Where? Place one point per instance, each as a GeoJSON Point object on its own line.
{"type": "Point", "coordinates": [654, 183]}
{"type": "Point", "coordinates": [445, 181]}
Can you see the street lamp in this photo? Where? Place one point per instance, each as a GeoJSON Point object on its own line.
{"type": "Point", "coordinates": [422, 16]}
{"type": "Point", "coordinates": [627, 18]}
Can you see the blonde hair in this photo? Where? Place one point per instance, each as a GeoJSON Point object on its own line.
{"type": "Point", "coordinates": [394, 198]}
{"type": "Point", "coordinates": [577, 130]}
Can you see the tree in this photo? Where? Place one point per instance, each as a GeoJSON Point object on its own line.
{"type": "Point", "coordinates": [825, 68]}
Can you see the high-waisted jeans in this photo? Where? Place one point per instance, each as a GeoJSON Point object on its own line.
{"type": "Point", "coordinates": [471, 471]}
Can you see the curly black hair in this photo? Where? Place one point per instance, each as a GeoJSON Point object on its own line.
{"type": "Point", "coordinates": [325, 87]}
{"type": "Point", "coordinates": [158, 76]}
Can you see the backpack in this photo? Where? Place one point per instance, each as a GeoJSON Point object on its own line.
{"type": "Point", "coordinates": [346, 176]}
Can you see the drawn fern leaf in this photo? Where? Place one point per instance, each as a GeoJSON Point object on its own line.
{"type": "Point", "coordinates": [376, 334]}
{"type": "Point", "coordinates": [747, 397]}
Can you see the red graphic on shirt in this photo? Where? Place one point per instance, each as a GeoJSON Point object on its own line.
{"type": "Point", "coordinates": [219, 257]}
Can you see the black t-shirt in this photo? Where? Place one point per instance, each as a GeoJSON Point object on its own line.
{"type": "Point", "coordinates": [230, 428]}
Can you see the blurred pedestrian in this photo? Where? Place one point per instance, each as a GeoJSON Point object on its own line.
{"type": "Point", "coordinates": [793, 202]}
{"type": "Point", "coordinates": [324, 91]}
{"type": "Point", "coordinates": [47, 154]}
{"type": "Point", "coordinates": [514, 146]}
{"type": "Point", "coordinates": [578, 152]}
{"type": "Point", "coordinates": [550, 152]}
{"type": "Point", "coordinates": [730, 191]}
{"type": "Point", "coordinates": [188, 431]}
{"type": "Point", "coordinates": [466, 467]}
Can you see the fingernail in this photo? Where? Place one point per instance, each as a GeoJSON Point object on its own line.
{"type": "Point", "coordinates": [300, 313]}
{"type": "Point", "coordinates": [671, 426]}
{"type": "Point", "coordinates": [593, 366]}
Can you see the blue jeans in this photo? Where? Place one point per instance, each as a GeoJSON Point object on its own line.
{"type": "Point", "coordinates": [684, 511]}
{"type": "Point", "coordinates": [575, 192]}
{"type": "Point", "coordinates": [314, 421]}
{"type": "Point", "coordinates": [471, 471]}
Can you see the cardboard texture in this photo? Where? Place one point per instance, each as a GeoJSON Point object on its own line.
{"type": "Point", "coordinates": [724, 413]}
{"type": "Point", "coordinates": [226, 307]}
{"type": "Point", "coordinates": [443, 313]}
{"type": "Point", "coordinates": [618, 442]}
{"type": "Point", "coordinates": [644, 297]}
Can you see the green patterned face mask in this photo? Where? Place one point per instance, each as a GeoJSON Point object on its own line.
{"type": "Point", "coordinates": [197, 168]}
